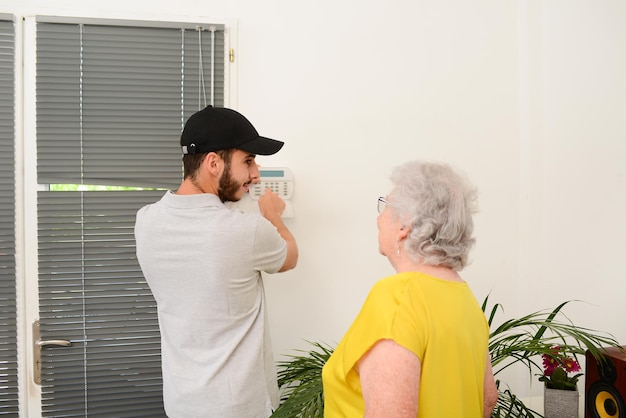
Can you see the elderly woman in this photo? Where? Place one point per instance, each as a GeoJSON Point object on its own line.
{"type": "Point", "coordinates": [419, 346]}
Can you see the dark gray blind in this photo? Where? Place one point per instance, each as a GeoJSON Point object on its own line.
{"type": "Point", "coordinates": [92, 293]}
{"type": "Point", "coordinates": [8, 313]}
{"type": "Point", "coordinates": [111, 103]}
{"type": "Point", "coordinates": [112, 100]}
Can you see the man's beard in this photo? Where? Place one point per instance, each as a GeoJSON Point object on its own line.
{"type": "Point", "coordinates": [228, 187]}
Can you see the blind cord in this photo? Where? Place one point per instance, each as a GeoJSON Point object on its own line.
{"type": "Point", "coordinates": [201, 86]}
{"type": "Point", "coordinates": [201, 82]}
{"type": "Point", "coordinates": [212, 29]}
{"type": "Point", "coordinates": [82, 216]}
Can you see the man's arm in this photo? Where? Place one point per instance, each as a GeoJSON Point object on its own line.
{"type": "Point", "coordinates": [272, 207]}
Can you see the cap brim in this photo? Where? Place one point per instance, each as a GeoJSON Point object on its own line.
{"type": "Point", "coordinates": [261, 146]}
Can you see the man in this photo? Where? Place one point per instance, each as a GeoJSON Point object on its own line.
{"type": "Point", "coordinates": [203, 263]}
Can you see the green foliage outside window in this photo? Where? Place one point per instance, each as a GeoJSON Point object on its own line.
{"type": "Point", "coordinates": [93, 187]}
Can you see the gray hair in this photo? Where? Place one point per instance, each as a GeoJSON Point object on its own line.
{"type": "Point", "coordinates": [437, 204]}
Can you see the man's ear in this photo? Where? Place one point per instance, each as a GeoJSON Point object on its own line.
{"type": "Point", "coordinates": [212, 163]}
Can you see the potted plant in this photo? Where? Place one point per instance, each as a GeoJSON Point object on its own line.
{"type": "Point", "coordinates": [556, 367]}
{"type": "Point", "coordinates": [516, 342]}
{"type": "Point", "coordinates": [560, 398]}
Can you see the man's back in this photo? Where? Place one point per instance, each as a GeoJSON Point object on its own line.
{"type": "Point", "coordinates": [203, 262]}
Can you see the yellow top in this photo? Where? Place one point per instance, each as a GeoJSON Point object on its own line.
{"type": "Point", "coordinates": [438, 320]}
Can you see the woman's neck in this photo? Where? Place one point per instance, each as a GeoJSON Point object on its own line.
{"type": "Point", "coordinates": [440, 272]}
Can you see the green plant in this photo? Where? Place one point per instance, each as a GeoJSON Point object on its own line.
{"type": "Point", "coordinates": [521, 341]}
{"type": "Point", "coordinates": [524, 340]}
{"type": "Point", "coordinates": [300, 379]}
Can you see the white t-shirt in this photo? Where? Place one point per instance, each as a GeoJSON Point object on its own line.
{"type": "Point", "coordinates": [203, 263]}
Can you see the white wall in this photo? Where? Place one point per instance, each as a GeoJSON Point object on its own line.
{"type": "Point", "coordinates": [529, 98]}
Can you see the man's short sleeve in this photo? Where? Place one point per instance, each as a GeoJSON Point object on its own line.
{"type": "Point", "coordinates": [270, 249]}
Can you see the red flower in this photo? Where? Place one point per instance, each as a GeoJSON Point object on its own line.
{"type": "Point", "coordinates": [556, 365]}
{"type": "Point", "coordinates": [570, 364]}
{"type": "Point", "coordinates": [549, 364]}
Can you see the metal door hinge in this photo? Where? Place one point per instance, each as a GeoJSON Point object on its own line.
{"type": "Point", "coordinates": [231, 55]}
{"type": "Point", "coordinates": [37, 346]}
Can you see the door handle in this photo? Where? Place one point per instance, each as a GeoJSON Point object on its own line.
{"type": "Point", "coordinates": [63, 343]}
{"type": "Point", "coordinates": [38, 344]}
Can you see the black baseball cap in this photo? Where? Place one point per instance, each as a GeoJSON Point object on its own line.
{"type": "Point", "coordinates": [217, 128]}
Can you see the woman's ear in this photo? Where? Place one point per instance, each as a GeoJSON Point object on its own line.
{"type": "Point", "coordinates": [403, 233]}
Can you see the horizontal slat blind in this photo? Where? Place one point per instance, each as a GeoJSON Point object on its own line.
{"type": "Point", "coordinates": [92, 293]}
{"type": "Point", "coordinates": [58, 103]}
{"type": "Point", "coordinates": [131, 106]}
{"type": "Point", "coordinates": [8, 337]}
{"type": "Point", "coordinates": [111, 103]}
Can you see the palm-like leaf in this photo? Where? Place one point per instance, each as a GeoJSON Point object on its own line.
{"type": "Point", "coordinates": [300, 379]}
{"type": "Point", "coordinates": [525, 339]}
{"type": "Point", "coordinates": [510, 406]}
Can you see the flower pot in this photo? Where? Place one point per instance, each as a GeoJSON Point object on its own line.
{"type": "Point", "coordinates": [558, 403]}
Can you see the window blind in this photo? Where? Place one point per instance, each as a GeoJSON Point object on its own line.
{"type": "Point", "coordinates": [8, 314]}
{"type": "Point", "coordinates": [93, 294]}
{"type": "Point", "coordinates": [111, 103]}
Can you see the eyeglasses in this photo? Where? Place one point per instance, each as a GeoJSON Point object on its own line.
{"type": "Point", "coordinates": [382, 204]}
